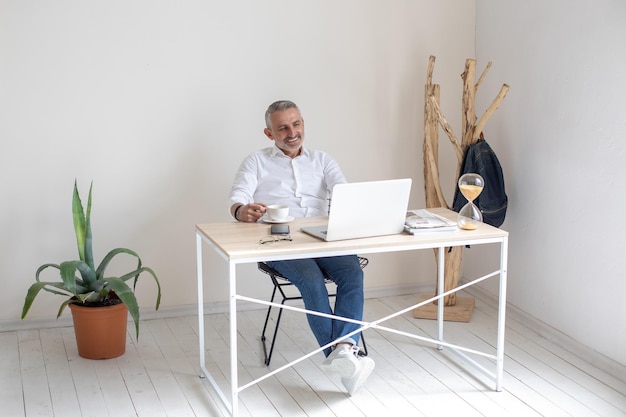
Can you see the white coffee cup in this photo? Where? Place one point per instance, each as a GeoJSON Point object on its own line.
{"type": "Point", "coordinates": [278, 212]}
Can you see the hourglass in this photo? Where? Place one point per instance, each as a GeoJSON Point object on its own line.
{"type": "Point", "coordinates": [470, 185]}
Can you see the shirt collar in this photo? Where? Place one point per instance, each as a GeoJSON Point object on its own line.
{"type": "Point", "coordinates": [276, 151]}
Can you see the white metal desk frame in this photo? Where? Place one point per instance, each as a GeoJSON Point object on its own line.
{"type": "Point", "coordinates": [461, 238]}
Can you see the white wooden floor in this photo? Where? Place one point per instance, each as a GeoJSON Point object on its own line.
{"type": "Point", "coordinates": [42, 374]}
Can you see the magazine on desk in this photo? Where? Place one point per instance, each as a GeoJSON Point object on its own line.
{"type": "Point", "coordinates": [424, 221]}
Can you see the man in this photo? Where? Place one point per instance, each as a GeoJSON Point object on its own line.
{"type": "Point", "coordinates": [288, 173]}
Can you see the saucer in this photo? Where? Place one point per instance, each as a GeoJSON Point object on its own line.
{"type": "Point", "coordinates": [266, 219]}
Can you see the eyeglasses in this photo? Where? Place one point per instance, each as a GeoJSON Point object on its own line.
{"type": "Point", "coordinates": [274, 239]}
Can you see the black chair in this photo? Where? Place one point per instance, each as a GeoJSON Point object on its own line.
{"type": "Point", "coordinates": [279, 282]}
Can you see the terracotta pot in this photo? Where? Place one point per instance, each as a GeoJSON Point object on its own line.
{"type": "Point", "coordinates": [100, 331]}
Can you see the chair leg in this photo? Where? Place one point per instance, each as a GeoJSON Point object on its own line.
{"type": "Point", "coordinates": [277, 287]}
{"type": "Point", "coordinates": [267, 319]}
{"type": "Point", "coordinates": [363, 352]}
{"type": "Point", "coordinates": [268, 358]}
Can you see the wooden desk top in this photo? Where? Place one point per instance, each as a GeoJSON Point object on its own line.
{"type": "Point", "coordinates": [239, 242]}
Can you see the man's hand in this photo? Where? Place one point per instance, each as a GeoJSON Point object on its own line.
{"type": "Point", "coordinates": [251, 213]}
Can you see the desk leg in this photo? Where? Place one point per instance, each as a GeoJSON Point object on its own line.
{"type": "Point", "coordinates": [204, 373]}
{"type": "Point", "coordinates": [234, 383]}
{"type": "Point", "coordinates": [200, 303]}
{"type": "Point", "coordinates": [504, 248]}
{"type": "Point", "coordinates": [440, 286]}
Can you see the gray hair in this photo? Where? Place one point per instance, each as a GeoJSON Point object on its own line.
{"type": "Point", "coordinates": [278, 106]}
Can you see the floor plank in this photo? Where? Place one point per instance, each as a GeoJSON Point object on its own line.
{"type": "Point", "coordinates": [91, 400]}
{"type": "Point", "coordinates": [11, 382]}
{"type": "Point", "coordinates": [36, 393]}
{"type": "Point", "coordinates": [59, 375]}
{"type": "Point", "coordinates": [137, 381]}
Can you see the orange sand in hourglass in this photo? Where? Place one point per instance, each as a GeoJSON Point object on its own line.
{"type": "Point", "coordinates": [470, 192]}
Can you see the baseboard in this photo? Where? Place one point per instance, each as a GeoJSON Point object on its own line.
{"type": "Point", "coordinates": [585, 353]}
{"type": "Point", "coordinates": [33, 324]}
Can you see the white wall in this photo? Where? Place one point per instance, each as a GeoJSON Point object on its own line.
{"type": "Point", "coordinates": [561, 136]}
{"type": "Point", "coordinates": [157, 102]}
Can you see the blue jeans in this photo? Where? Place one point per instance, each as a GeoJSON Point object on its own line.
{"type": "Point", "coordinates": [308, 276]}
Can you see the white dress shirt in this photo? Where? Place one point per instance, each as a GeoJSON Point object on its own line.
{"type": "Point", "coordinates": [304, 183]}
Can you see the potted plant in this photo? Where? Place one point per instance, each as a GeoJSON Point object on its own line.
{"type": "Point", "coordinates": [90, 293]}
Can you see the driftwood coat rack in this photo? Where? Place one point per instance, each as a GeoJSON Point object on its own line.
{"type": "Point", "coordinates": [433, 119]}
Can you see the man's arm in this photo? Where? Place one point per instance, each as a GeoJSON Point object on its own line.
{"type": "Point", "coordinates": [332, 172]}
{"type": "Point", "coordinates": [242, 191]}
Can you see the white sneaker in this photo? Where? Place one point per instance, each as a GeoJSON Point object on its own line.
{"type": "Point", "coordinates": [342, 361]}
{"type": "Point", "coordinates": [365, 367]}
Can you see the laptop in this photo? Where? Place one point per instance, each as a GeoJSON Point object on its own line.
{"type": "Point", "coordinates": [365, 209]}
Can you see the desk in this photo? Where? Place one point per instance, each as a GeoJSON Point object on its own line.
{"type": "Point", "coordinates": [238, 243]}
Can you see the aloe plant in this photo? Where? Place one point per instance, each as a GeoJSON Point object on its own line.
{"type": "Point", "coordinates": [85, 284]}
